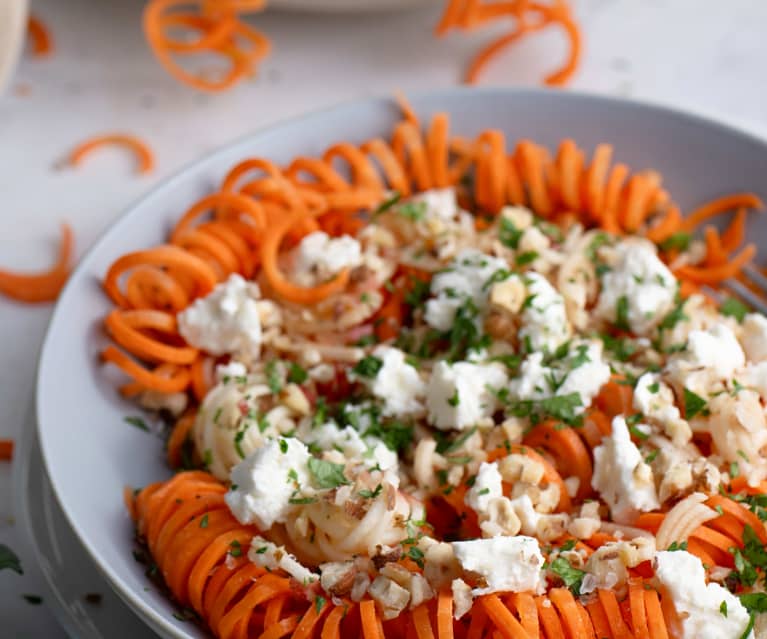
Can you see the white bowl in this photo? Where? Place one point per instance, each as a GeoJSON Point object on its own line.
{"type": "Point", "coordinates": [91, 454]}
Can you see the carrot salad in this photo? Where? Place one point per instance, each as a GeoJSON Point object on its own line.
{"type": "Point", "coordinates": [432, 387]}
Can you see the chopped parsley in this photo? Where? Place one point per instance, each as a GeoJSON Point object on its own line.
{"type": "Point", "coordinates": [622, 313]}
{"type": "Point", "coordinates": [319, 603]}
{"type": "Point", "coordinates": [419, 291]}
{"type": "Point", "coordinates": [327, 474]}
{"type": "Point", "coordinates": [297, 374]}
{"type": "Point", "coordinates": [676, 242]}
{"type": "Point", "coordinates": [621, 348]}
{"type": "Point", "coordinates": [572, 577]}
{"type": "Point", "coordinates": [734, 308]}
{"type": "Point", "coordinates": [674, 316]}
{"type": "Point", "coordinates": [526, 258]}
{"type": "Point", "coordinates": [302, 501]}
{"type": "Point", "coordinates": [723, 608]}
{"type": "Point", "coordinates": [454, 399]}
{"type": "Point", "coordinates": [204, 521]}
{"type": "Point", "coordinates": [508, 234]}
{"type": "Point", "coordinates": [395, 435]}
{"type": "Point", "coordinates": [138, 422]}
{"type": "Point", "coordinates": [283, 446]}
{"type": "Point", "coordinates": [675, 545]}
{"type": "Point", "coordinates": [693, 404]}
{"type": "Point", "coordinates": [499, 276]}
{"type": "Point", "coordinates": [10, 560]}
{"type": "Point", "coordinates": [387, 204]}
{"type": "Point", "coordinates": [650, 457]}
{"type": "Point", "coordinates": [238, 437]}
{"type": "Point", "coordinates": [273, 377]}
{"type": "Point", "coordinates": [446, 446]}
{"type": "Point", "coordinates": [561, 407]}
{"type": "Point", "coordinates": [235, 549]}
{"type": "Point", "coordinates": [370, 494]}
{"type": "Point", "coordinates": [654, 387]}
{"type": "Point", "coordinates": [368, 366]}
{"type": "Point", "coordinates": [413, 211]}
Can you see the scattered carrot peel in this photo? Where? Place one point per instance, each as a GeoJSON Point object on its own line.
{"type": "Point", "coordinates": [141, 149]}
{"type": "Point", "coordinates": [45, 286]}
{"type": "Point", "coordinates": [40, 37]}
{"type": "Point", "coordinates": [6, 450]}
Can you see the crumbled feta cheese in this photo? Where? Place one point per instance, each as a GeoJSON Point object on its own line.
{"type": "Point", "coordinates": [712, 355]}
{"type": "Point", "coordinates": [459, 395]}
{"type": "Point", "coordinates": [226, 320]}
{"type": "Point", "coordinates": [351, 445]}
{"type": "Point", "coordinates": [608, 565]}
{"type": "Point", "coordinates": [544, 318]}
{"type": "Point", "coordinates": [582, 371]}
{"type": "Point", "coordinates": [655, 399]}
{"type": "Point", "coordinates": [528, 516]}
{"type": "Point", "coordinates": [319, 257]}
{"type": "Point", "coordinates": [640, 284]}
{"type": "Point", "coordinates": [264, 553]}
{"type": "Point", "coordinates": [487, 486]}
{"type": "Point", "coordinates": [266, 480]}
{"type": "Point", "coordinates": [754, 337]}
{"type": "Point", "coordinates": [397, 383]}
{"type": "Point", "coordinates": [230, 370]}
{"type": "Point", "coordinates": [464, 280]}
{"type": "Point", "coordinates": [506, 564]}
{"type": "Point", "coordinates": [462, 597]}
{"type": "Point", "coordinates": [623, 480]}
{"type": "Point", "coordinates": [439, 203]}
{"type": "Point", "coordinates": [521, 217]}
{"type": "Point", "coordinates": [699, 606]}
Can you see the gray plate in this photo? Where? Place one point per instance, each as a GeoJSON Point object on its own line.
{"type": "Point", "coordinates": [69, 572]}
{"type": "Point", "coordinates": [89, 451]}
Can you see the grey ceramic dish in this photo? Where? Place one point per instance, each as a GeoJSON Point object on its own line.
{"type": "Point", "coordinates": [91, 454]}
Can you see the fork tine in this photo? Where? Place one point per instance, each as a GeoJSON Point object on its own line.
{"type": "Point", "coordinates": [747, 295]}
{"type": "Point", "coordinates": [756, 276]}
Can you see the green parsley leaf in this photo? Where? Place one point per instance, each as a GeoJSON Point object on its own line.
{"type": "Point", "coordinates": [413, 211]}
{"type": "Point", "coordinates": [297, 374]}
{"type": "Point", "coordinates": [526, 258]}
{"type": "Point", "coordinates": [572, 577]}
{"type": "Point", "coordinates": [302, 501]}
{"type": "Point", "coordinates": [734, 308]}
{"type": "Point", "coordinates": [676, 242]}
{"type": "Point", "coordinates": [396, 435]}
{"type": "Point", "coordinates": [734, 469]}
{"type": "Point", "coordinates": [454, 400]}
{"type": "Point", "coordinates": [677, 546]}
{"type": "Point", "coordinates": [754, 601]}
{"type": "Point", "coordinates": [621, 348]}
{"type": "Point", "coordinates": [370, 494]}
{"type": "Point", "coordinates": [387, 204]}
{"type": "Point", "coordinates": [654, 387]}
{"type": "Point", "coordinates": [283, 446]}
{"type": "Point", "coordinates": [416, 554]}
{"type": "Point", "coordinates": [138, 422]}
{"type": "Point", "coordinates": [368, 366]}
{"type": "Point", "coordinates": [319, 603]}
{"type": "Point", "coordinates": [723, 608]}
{"type": "Point", "coordinates": [446, 446]}
{"type": "Point", "coordinates": [10, 560]}
{"type": "Point", "coordinates": [508, 233]}
{"type": "Point", "coordinates": [622, 313]}
{"type": "Point", "coordinates": [693, 404]}
{"type": "Point", "coordinates": [568, 545]}
{"type": "Point", "coordinates": [675, 316]}
{"type": "Point", "coordinates": [204, 521]}
{"type": "Point", "coordinates": [327, 474]}
{"type": "Point", "coordinates": [238, 437]}
{"type": "Point", "coordinates": [273, 377]}
{"type": "Point", "coordinates": [650, 457]}
{"type": "Point", "coordinates": [235, 549]}
{"type": "Point", "coordinates": [498, 276]}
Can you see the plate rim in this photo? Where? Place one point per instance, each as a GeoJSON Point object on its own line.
{"type": "Point", "coordinates": [147, 614]}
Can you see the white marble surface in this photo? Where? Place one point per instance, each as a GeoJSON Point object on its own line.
{"type": "Point", "coordinates": [102, 78]}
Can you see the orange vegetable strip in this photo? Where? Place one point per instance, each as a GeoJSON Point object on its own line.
{"type": "Point", "coordinates": [445, 615]}
{"type": "Point", "coordinates": [234, 205]}
{"type": "Point", "coordinates": [640, 191]}
{"type": "Point", "coordinates": [6, 452]}
{"type": "Point", "coordinates": [715, 274]}
{"type": "Point", "coordinates": [530, 161]}
{"type": "Point", "coordinates": [638, 614]}
{"type": "Point", "coordinates": [422, 622]}
{"type": "Point", "coordinates": [715, 253]}
{"type": "Point", "coordinates": [369, 620]}
{"type": "Point", "coordinates": [393, 170]}
{"type": "Point", "coordinates": [124, 327]}
{"type": "Point", "coordinates": [144, 377]}
{"type": "Point", "coordinates": [596, 175]}
{"type": "Point", "coordinates": [482, 58]}
{"type": "Point", "coordinates": [409, 148]}
{"type": "Point", "coordinates": [501, 616]}
{"type": "Point", "coordinates": [570, 165]}
{"type": "Point", "coordinates": [437, 150]}
{"type": "Point", "coordinates": [735, 233]}
{"type": "Point", "coordinates": [140, 149]}
{"type": "Point", "coordinates": [40, 34]}
{"type": "Point", "coordinates": [655, 622]}
{"type": "Point", "coordinates": [364, 174]}
{"type": "Point", "coordinates": [524, 603]}
{"type": "Point", "coordinates": [741, 514]}
{"type": "Point", "coordinates": [571, 618]}
{"type": "Point", "coordinates": [491, 171]}
{"type": "Point", "coordinates": [550, 622]}
{"type": "Point", "coordinates": [721, 205]}
{"type": "Point", "coordinates": [669, 224]}
{"type": "Point", "coordinates": [618, 627]}
{"type": "Point", "coordinates": [299, 294]}
{"type": "Point", "coordinates": [612, 198]}
{"type": "Point", "coordinates": [331, 629]}
{"type": "Point", "coordinates": [598, 618]}
{"type": "Point", "coordinates": [178, 437]}
{"type": "Point", "coordinates": [563, 75]}
{"type": "Point", "coordinates": [45, 286]}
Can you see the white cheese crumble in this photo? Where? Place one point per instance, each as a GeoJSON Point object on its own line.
{"type": "Point", "coordinates": [319, 257]}
{"type": "Point", "coordinates": [487, 486]}
{"type": "Point", "coordinates": [581, 371]}
{"type": "Point", "coordinates": [460, 395]}
{"type": "Point", "coordinates": [397, 383]}
{"type": "Point", "coordinates": [465, 280]}
{"type": "Point", "coordinates": [506, 564]}
{"type": "Point", "coordinates": [265, 481]}
{"type": "Point", "coordinates": [438, 203]}
{"type": "Point", "coordinates": [623, 480]}
{"type": "Point", "coordinates": [544, 317]}
{"type": "Point", "coordinates": [226, 320]}
{"type": "Point", "coordinates": [640, 284]}
{"type": "Point", "coordinates": [655, 400]}
{"type": "Point", "coordinates": [371, 450]}
{"type": "Point", "coordinates": [754, 337]}
{"type": "Point", "coordinates": [699, 606]}
{"type": "Point", "coordinates": [264, 553]}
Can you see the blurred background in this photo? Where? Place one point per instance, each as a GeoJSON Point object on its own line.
{"type": "Point", "coordinates": [700, 55]}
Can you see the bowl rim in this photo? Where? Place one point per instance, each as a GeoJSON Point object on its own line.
{"type": "Point", "coordinates": [151, 617]}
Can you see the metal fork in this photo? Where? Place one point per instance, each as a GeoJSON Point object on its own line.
{"type": "Point", "coordinates": [740, 290]}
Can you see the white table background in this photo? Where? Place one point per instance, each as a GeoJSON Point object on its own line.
{"type": "Point", "coordinates": [702, 55]}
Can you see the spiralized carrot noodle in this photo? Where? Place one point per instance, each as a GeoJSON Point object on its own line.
{"type": "Point", "coordinates": [44, 286]}
{"type": "Point", "coordinates": [6, 449]}
{"type": "Point", "coordinates": [40, 35]}
{"type": "Point", "coordinates": [216, 29]}
{"type": "Point", "coordinates": [254, 232]}
{"type": "Point", "coordinates": [142, 150]}
{"type": "Point", "coordinates": [528, 17]}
